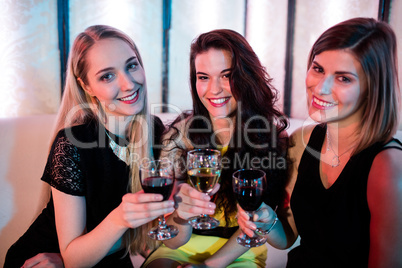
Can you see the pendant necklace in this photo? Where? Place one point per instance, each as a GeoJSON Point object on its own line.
{"type": "Point", "coordinates": [120, 151]}
{"type": "Point", "coordinates": [335, 160]}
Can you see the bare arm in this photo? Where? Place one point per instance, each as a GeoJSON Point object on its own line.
{"type": "Point", "coordinates": [82, 249]}
{"type": "Point", "coordinates": [264, 218]}
{"type": "Point", "coordinates": [384, 196]}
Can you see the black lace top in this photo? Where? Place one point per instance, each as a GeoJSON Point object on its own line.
{"type": "Point", "coordinates": [80, 163]}
{"type": "Point", "coordinates": [333, 223]}
{"type": "Point", "coordinates": [63, 171]}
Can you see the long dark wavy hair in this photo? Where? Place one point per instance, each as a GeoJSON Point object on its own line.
{"type": "Point", "coordinates": [256, 97]}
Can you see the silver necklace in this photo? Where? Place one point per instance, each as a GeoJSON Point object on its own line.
{"type": "Point", "coordinates": [336, 159]}
{"type": "Point", "coordinates": [120, 151]}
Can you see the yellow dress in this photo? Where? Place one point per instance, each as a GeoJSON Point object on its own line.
{"type": "Point", "coordinates": [200, 247]}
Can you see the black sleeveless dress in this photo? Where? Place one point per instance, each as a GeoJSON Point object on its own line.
{"type": "Point", "coordinates": [333, 223]}
{"type": "Point", "coordinates": [80, 163]}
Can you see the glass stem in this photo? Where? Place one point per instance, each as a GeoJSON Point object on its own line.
{"type": "Point", "coordinates": [251, 215]}
{"type": "Point", "coordinates": [162, 222]}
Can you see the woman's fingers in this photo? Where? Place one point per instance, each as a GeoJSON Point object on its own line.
{"type": "Point", "coordinates": [141, 197]}
{"type": "Point", "coordinates": [244, 222]}
{"type": "Point", "coordinates": [264, 214]}
{"type": "Point", "coordinates": [189, 202]}
{"type": "Point", "coordinates": [45, 260]}
{"type": "Point", "coordinates": [187, 191]}
{"type": "Point", "coordinates": [138, 218]}
{"type": "Point", "coordinates": [143, 207]}
{"type": "Point", "coordinates": [215, 189]}
{"type": "Point", "coordinates": [262, 218]}
{"type": "Point", "coordinates": [140, 208]}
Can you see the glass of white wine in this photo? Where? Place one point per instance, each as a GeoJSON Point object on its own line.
{"type": "Point", "coordinates": [204, 169]}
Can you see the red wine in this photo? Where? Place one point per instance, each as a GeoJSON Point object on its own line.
{"type": "Point", "coordinates": [158, 185]}
{"type": "Point", "coordinates": [249, 198]}
{"type": "Point", "coordinates": [204, 179]}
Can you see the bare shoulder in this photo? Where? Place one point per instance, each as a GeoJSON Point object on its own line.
{"type": "Point", "coordinates": [384, 198]}
{"type": "Point", "coordinates": [384, 185]}
{"type": "Point", "coordinates": [386, 173]}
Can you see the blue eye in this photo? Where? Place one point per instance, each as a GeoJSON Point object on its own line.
{"type": "Point", "coordinates": [107, 77]}
{"type": "Point", "coordinates": [132, 66]}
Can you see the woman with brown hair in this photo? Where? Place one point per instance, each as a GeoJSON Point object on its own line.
{"type": "Point", "coordinates": [234, 112]}
{"type": "Point", "coordinates": [344, 186]}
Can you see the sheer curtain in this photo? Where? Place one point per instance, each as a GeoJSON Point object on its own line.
{"type": "Point", "coordinates": [29, 58]}
{"type": "Point", "coordinates": [29, 54]}
{"type": "Point", "coordinates": [396, 23]}
{"type": "Point", "coordinates": [190, 19]}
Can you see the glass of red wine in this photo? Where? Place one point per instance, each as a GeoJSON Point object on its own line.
{"type": "Point", "coordinates": [157, 177]}
{"type": "Point", "coordinates": [249, 186]}
{"type": "Point", "coordinates": [204, 170]}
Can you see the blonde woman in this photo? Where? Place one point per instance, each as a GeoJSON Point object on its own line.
{"type": "Point", "coordinates": [103, 132]}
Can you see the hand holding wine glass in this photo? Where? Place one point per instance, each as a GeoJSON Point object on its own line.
{"type": "Point", "coordinates": [265, 217]}
{"type": "Point", "coordinates": [249, 186]}
{"type": "Point", "coordinates": [190, 202]}
{"type": "Point", "coordinates": [158, 177]}
{"type": "Point", "coordinates": [203, 169]}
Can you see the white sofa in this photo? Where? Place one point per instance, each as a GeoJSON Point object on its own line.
{"type": "Point", "coordinates": [24, 145]}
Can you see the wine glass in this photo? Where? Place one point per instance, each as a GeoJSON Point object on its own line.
{"type": "Point", "coordinates": [204, 170]}
{"type": "Point", "coordinates": [249, 186]}
{"type": "Point", "coordinates": [157, 177]}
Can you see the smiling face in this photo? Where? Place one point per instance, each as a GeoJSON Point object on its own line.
{"type": "Point", "coordinates": [213, 69]}
{"type": "Point", "coordinates": [116, 78]}
{"type": "Point", "coordinates": [335, 81]}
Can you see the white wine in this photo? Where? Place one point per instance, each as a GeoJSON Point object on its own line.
{"type": "Point", "coordinates": [204, 179]}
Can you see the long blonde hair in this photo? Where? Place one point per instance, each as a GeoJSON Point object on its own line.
{"type": "Point", "coordinates": [78, 107]}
